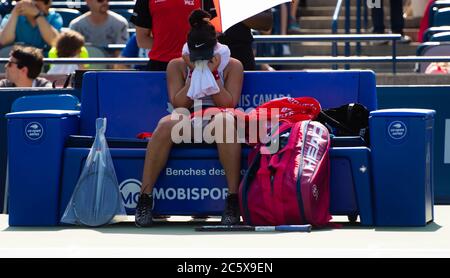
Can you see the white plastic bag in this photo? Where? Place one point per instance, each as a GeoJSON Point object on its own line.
{"type": "Point", "coordinates": [96, 199]}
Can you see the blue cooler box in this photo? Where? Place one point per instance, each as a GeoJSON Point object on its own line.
{"type": "Point", "coordinates": [402, 156]}
{"type": "Point", "coordinates": [35, 146]}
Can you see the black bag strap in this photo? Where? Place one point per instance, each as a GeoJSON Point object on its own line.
{"type": "Point", "coordinates": [323, 117]}
{"type": "Point", "coordinates": [66, 81]}
{"type": "Point", "coordinates": [68, 78]}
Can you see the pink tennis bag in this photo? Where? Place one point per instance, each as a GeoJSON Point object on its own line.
{"type": "Point", "coordinates": [290, 186]}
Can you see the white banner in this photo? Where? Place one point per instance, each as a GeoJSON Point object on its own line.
{"type": "Point", "coordinates": [235, 11]}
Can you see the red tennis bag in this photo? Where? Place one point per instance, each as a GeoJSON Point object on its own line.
{"type": "Point", "coordinates": [290, 186]}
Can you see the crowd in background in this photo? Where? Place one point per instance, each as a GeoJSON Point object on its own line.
{"type": "Point", "coordinates": [34, 23]}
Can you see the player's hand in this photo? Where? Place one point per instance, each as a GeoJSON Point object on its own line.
{"type": "Point", "coordinates": [214, 63]}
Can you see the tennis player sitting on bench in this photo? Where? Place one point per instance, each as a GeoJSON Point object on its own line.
{"type": "Point", "coordinates": [203, 55]}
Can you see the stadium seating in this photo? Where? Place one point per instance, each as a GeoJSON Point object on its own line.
{"type": "Point", "coordinates": [67, 15]}
{"type": "Point", "coordinates": [4, 53]}
{"type": "Point", "coordinates": [96, 52]}
{"type": "Point", "coordinates": [127, 13]}
{"type": "Point", "coordinates": [434, 8]}
{"type": "Point", "coordinates": [441, 37]}
{"type": "Point", "coordinates": [434, 30]}
{"type": "Point", "coordinates": [442, 17]}
{"type": "Point", "coordinates": [431, 49]}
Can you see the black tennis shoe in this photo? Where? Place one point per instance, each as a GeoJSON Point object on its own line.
{"type": "Point", "coordinates": [143, 215]}
{"type": "Point", "coordinates": [231, 215]}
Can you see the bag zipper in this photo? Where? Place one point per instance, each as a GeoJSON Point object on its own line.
{"type": "Point", "coordinates": [246, 185]}
{"type": "Point", "coordinates": [300, 170]}
{"type": "Point", "coordinates": [272, 178]}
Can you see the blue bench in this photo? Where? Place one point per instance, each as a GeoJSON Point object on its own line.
{"type": "Point", "coordinates": [193, 182]}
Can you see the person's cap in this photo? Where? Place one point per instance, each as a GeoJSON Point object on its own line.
{"type": "Point", "coordinates": [200, 48]}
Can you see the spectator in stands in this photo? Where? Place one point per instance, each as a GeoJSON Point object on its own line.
{"type": "Point", "coordinates": [239, 37]}
{"type": "Point", "coordinates": [69, 44]}
{"type": "Point", "coordinates": [100, 26]}
{"type": "Point", "coordinates": [229, 80]}
{"type": "Point", "coordinates": [280, 27]}
{"type": "Point", "coordinates": [425, 21]}
{"type": "Point", "coordinates": [24, 67]}
{"type": "Point", "coordinates": [165, 32]}
{"type": "Point", "coordinates": [293, 25]}
{"type": "Point", "coordinates": [397, 20]}
{"type": "Point", "coordinates": [31, 23]}
{"type": "Point", "coordinates": [132, 50]}
{"type": "Point", "coordinates": [438, 68]}
{"type": "Point", "coordinates": [162, 26]}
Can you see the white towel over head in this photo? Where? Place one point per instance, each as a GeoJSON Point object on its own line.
{"type": "Point", "coordinates": [202, 80]}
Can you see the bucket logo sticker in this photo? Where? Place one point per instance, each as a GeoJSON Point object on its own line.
{"type": "Point", "coordinates": [34, 131]}
{"type": "Point", "coordinates": [397, 130]}
{"type": "Point", "coordinates": [130, 190]}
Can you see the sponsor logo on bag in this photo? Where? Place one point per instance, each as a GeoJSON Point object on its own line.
{"type": "Point", "coordinates": [397, 130]}
{"type": "Point", "coordinates": [34, 131]}
{"type": "Point", "coordinates": [313, 147]}
{"type": "Point", "coordinates": [315, 192]}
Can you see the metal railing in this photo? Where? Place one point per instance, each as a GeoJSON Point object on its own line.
{"type": "Point", "coordinates": [342, 60]}
{"type": "Point", "coordinates": [335, 39]}
{"type": "Point", "coordinates": [334, 28]}
{"type": "Point", "coordinates": [261, 60]}
{"type": "Point", "coordinates": [79, 4]}
{"type": "Point", "coordinates": [335, 22]}
{"type": "Point", "coordinates": [316, 38]}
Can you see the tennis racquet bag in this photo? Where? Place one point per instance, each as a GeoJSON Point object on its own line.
{"type": "Point", "coordinates": [96, 199]}
{"type": "Point", "coordinates": [289, 186]}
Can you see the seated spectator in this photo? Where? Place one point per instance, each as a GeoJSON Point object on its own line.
{"type": "Point", "coordinates": [24, 67]}
{"type": "Point", "coordinates": [438, 68]}
{"type": "Point", "coordinates": [69, 44]}
{"type": "Point", "coordinates": [100, 26]}
{"type": "Point", "coordinates": [31, 23]}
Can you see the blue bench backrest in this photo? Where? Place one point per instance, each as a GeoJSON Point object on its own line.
{"type": "Point", "coordinates": [67, 15]}
{"type": "Point", "coordinates": [431, 49]}
{"type": "Point", "coordinates": [442, 17]}
{"type": "Point", "coordinates": [134, 102]}
{"type": "Point", "coordinates": [441, 37]}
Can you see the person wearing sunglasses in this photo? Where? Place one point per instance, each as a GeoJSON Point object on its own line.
{"type": "Point", "coordinates": [31, 23]}
{"type": "Point", "coordinates": [100, 26]}
{"type": "Point", "coordinates": [23, 68]}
